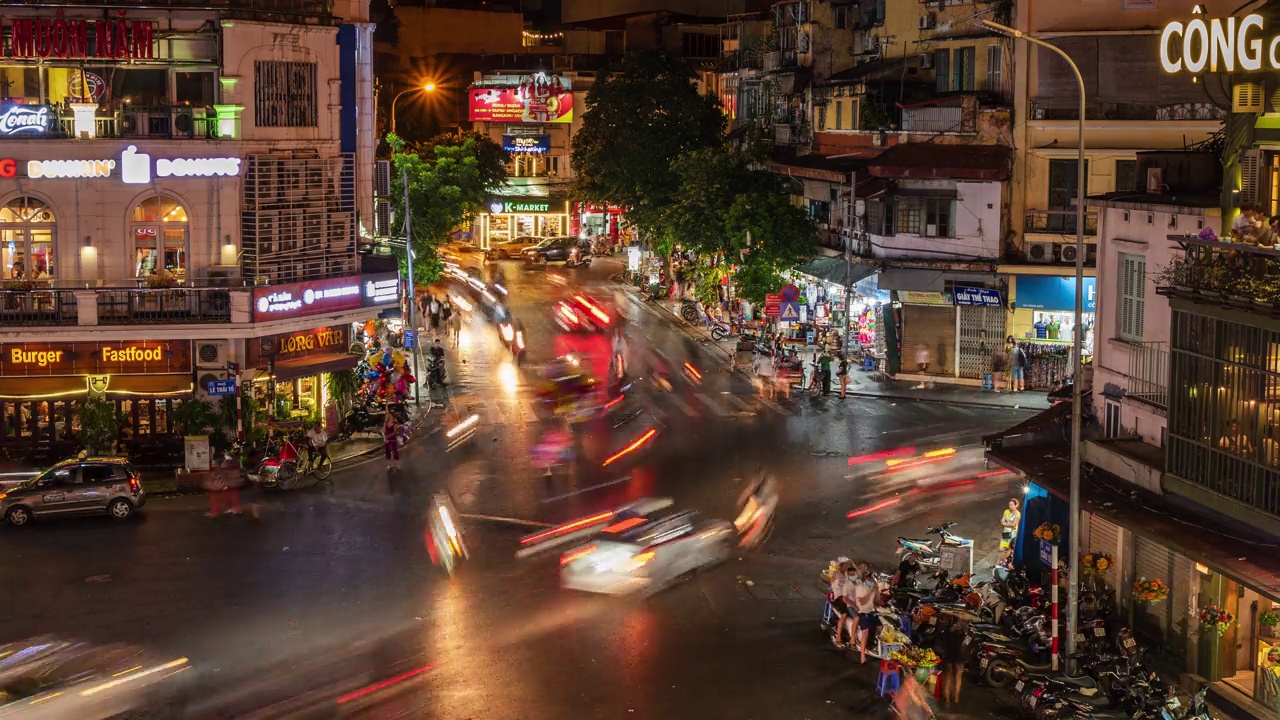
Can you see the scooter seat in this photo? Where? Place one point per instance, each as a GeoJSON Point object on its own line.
{"type": "Point", "coordinates": [1083, 682]}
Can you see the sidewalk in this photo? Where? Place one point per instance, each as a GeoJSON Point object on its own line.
{"type": "Point", "coordinates": [867, 384]}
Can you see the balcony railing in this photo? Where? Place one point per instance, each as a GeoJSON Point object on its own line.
{"type": "Point", "coordinates": [122, 306]}
{"type": "Point", "coordinates": [1222, 272]}
{"type": "Point", "coordinates": [779, 60]}
{"type": "Point", "coordinates": [37, 307]}
{"type": "Point", "coordinates": [1059, 221]}
{"type": "Point", "coordinates": [281, 7]}
{"type": "Point", "coordinates": [1126, 111]}
{"type": "Point", "coordinates": [149, 121]}
{"type": "Point", "coordinates": [1149, 373]}
{"type": "Point", "coordinates": [170, 305]}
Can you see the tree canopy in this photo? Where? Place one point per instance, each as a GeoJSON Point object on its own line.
{"type": "Point", "coordinates": [641, 115]}
{"type": "Point", "coordinates": [450, 178]}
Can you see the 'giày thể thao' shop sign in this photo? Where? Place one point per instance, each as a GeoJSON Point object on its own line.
{"type": "Point", "coordinates": [1218, 44]}
{"type": "Point", "coordinates": [60, 37]}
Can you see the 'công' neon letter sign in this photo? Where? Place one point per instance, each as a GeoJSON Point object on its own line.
{"type": "Point", "coordinates": [1217, 45]}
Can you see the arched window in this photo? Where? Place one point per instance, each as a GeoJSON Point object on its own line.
{"type": "Point", "coordinates": [26, 239]}
{"type": "Point", "coordinates": [160, 237]}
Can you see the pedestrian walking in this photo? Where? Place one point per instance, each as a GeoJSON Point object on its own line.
{"type": "Point", "coordinates": [433, 309]}
{"type": "Point", "coordinates": [1009, 521]}
{"type": "Point", "coordinates": [952, 655]}
{"type": "Point", "coordinates": [455, 327]}
{"type": "Point", "coordinates": [224, 491]}
{"type": "Point", "coordinates": [911, 702]}
{"type": "Point", "coordinates": [424, 309]}
{"type": "Point", "coordinates": [843, 374]}
{"type": "Point", "coordinates": [1017, 367]}
{"type": "Point", "coordinates": [763, 367]}
{"type": "Point", "coordinates": [391, 441]}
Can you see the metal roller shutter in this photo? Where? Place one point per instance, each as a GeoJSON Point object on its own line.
{"type": "Point", "coordinates": [1152, 560]}
{"type": "Point", "coordinates": [1105, 537]}
{"type": "Point", "coordinates": [981, 334]}
{"type": "Point", "coordinates": [934, 329]}
{"type": "Point", "coordinates": [1182, 589]}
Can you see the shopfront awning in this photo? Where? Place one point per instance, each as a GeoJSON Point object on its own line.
{"type": "Point", "coordinates": [1244, 555]}
{"type": "Point", "coordinates": [123, 387]}
{"type": "Point", "coordinates": [314, 365]}
{"type": "Point", "coordinates": [836, 270]}
{"type": "Point", "coordinates": [928, 280]}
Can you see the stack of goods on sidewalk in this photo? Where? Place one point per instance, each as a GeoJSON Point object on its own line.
{"type": "Point", "coordinates": [999, 632]}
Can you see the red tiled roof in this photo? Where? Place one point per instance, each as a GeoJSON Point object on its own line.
{"type": "Point", "coordinates": [929, 160]}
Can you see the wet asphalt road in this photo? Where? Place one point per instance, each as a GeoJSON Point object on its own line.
{"type": "Point", "coordinates": [332, 589]}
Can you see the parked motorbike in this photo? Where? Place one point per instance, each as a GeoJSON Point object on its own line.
{"type": "Point", "coordinates": [436, 373]}
{"type": "Point", "coordinates": [927, 549]}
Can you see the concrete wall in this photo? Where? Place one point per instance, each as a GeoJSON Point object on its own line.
{"type": "Point", "coordinates": [572, 11]}
{"type": "Point", "coordinates": [977, 226]}
{"type": "Point", "coordinates": [425, 32]}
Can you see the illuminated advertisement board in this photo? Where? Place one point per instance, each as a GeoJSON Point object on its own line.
{"type": "Point", "coordinates": [539, 98]}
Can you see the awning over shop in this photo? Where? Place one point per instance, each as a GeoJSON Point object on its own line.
{"type": "Point", "coordinates": [831, 168]}
{"type": "Point", "coordinates": [123, 387]}
{"type": "Point", "coordinates": [1247, 556]}
{"type": "Point", "coordinates": [30, 388]}
{"type": "Point", "coordinates": [314, 365]}
{"type": "Point", "coordinates": [836, 270]}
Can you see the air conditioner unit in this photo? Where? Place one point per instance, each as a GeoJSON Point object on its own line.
{"type": "Point", "coordinates": [1040, 252]}
{"type": "Point", "coordinates": [382, 218]}
{"type": "Point", "coordinates": [382, 179]}
{"type": "Point", "coordinates": [926, 61]}
{"type": "Point", "coordinates": [213, 353]}
{"type": "Point", "coordinates": [870, 43]}
{"type": "Point", "coordinates": [1067, 253]}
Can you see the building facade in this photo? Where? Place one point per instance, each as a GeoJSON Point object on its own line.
{"type": "Point", "coordinates": [180, 190]}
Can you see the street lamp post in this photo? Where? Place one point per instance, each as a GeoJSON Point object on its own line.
{"type": "Point", "coordinates": [428, 87]}
{"type": "Point", "coordinates": [1077, 347]}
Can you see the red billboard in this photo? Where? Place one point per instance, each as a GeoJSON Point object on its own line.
{"type": "Point", "coordinates": [525, 104]}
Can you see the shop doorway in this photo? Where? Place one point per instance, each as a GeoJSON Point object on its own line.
{"type": "Point", "coordinates": [1251, 663]}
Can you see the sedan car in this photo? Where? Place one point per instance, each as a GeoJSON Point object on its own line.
{"type": "Point", "coordinates": [506, 249]}
{"type": "Point", "coordinates": [559, 249]}
{"type": "Point", "coordinates": [56, 678]}
{"type": "Point", "coordinates": [92, 485]}
{"type": "Point", "coordinates": [646, 554]}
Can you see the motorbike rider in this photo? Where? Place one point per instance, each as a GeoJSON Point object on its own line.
{"type": "Point", "coordinates": [318, 440]}
{"type": "Point", "coordinates": [907, 571]}
{"type": "Point", "coordinates": [758, 503]}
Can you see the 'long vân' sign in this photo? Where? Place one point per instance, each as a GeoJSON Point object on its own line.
{"type": "Point", "coordinates": [1218, 45]}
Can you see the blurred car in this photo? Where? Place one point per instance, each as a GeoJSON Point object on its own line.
{"type": "Point", "coordinates": [559, 249]}
{"type": "Point", "coordinates": [581, 313]}
{"type": "Point", "coordinates": [507, 249]}
{"type": "Point", "coordinates": [53, 678]}
{"type": "Point", "coordinates": [91, 485]}
{"type": "Point", "coordinates": [646, 554]}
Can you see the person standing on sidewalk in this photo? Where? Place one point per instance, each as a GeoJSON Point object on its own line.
{"type": "Point", "coordinates": [433, 309]}
{"type": "Point", "coordinates": [843, 374]}
{"type": "Point", "coordinates": [1017, 368]}
{"type": "Point", "coordinates": [1009, 521]}
{"type": "Point", "coordinates": [455, 326]}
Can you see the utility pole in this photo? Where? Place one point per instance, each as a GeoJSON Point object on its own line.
{"type": "Point", "coordinates": [855, 219]}
{"type": "Point", "coordinates": [413, 298]}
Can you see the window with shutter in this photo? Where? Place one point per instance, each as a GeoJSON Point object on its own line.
{"type": "Point", "coordinates": [942, 69]}
{"type": "Point", "coordinates": [1133, 288]}
{"type": "Point", "coordinates": [839, 104]}
{"type": "Point", "coordinates": [962, 69]}
{"type": "Point", "coordinates": [995, 68]}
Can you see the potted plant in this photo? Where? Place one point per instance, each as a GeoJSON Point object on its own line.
{"type": "Point", "coordinates": [1268, 620]}
{"type": "Point", "coordinates": [1049, 532]}
{"type": "Point", "coordinates": [99, 426]}
{"type": "Point", "coordinates": [161, 280]}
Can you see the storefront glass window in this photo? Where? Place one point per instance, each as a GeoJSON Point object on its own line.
{"type": "Point", "coordinates": [160, 237]}
{"type": "Point", "coordinates": [499, 227]}
{"type": "Point", "coordinates": [550, 226]}
{"type": "Point", "coordinates": [526, 224]}
{"type": "Point", "coordinates": [26, 239]}
{"type": "Point", "coordinates": [193, 88]}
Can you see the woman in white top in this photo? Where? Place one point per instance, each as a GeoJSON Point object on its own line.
{"type": "Point", "coordinates": [866, 598]}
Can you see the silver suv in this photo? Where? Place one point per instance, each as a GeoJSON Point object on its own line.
{"type": "Point", "coordinates": [74, 487]}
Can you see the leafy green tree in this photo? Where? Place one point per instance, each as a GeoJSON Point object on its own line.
{"type": "Point", "coordinates": [99, 426]}
{"type": "Point", "coordinates": [722, 199]}
{"type": "Point", "coordinates": [195, 417]}
{"type": "Point", "coordinates": [450, 178]}
{"type": "Point", "coordinates": [640, 116]}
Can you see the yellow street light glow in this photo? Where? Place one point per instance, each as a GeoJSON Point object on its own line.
{"type": "Point", "coordinates": [429, 87]}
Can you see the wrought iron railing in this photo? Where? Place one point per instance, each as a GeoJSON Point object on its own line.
{"type": "Point", "coordinates": [37, 307]}
{"type": "Point", "coordinates": [1149, 372]}
{"type": "Point", "coordinates": [1235, 274]}
{"type": "Point", "coordinates": [779, 59]}
{"type": "Point", "coordinates": [1060, 221]}
{"type": "Point", "coordinates": [168, 305]}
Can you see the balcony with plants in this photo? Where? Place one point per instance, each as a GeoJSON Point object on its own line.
{"type": "Point", "coordinates": [1225, 272]}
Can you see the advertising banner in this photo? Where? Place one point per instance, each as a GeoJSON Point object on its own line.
{"type": "Point", "coordinates": [303, 343]}
{"type": "Point", "coordinates": [537, 99]}
{"type": "Point", "coordinates": [976, 296]}
{"type": "Point", "coordinates": [527, 145]}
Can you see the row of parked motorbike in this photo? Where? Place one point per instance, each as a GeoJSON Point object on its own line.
{"type": "Point", "coordinates": [1008, 640]}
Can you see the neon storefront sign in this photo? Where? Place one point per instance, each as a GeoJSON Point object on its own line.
{"type": "Point", "coordinates": [136, 168]}
{"type": "Point", "coordinates": [19, 120]}
{"type": "Point", "coordinates": [1218, 44]}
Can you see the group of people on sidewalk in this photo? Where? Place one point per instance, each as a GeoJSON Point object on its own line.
{"type": "Point", "coordinates": [441, 314]}
{"type": "Point", "coordinates": [777, 371]}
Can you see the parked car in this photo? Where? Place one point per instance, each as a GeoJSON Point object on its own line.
{"type": "Point", "coordinates": [90, 485]}
{"type": "Point", "coordinates": [507, 249]}
{"type": "Point", "coordinates": [569, 250]}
